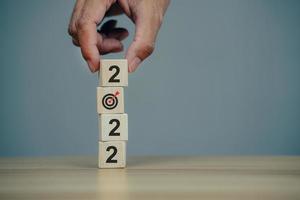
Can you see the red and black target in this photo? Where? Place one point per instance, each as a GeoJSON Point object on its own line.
{"type": "Point", "coordinates": [110, 101]}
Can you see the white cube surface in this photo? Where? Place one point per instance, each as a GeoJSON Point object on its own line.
{"type": "Point", "coordinates": [113, 72]}
{"type": "Point", "coordinates": [113, 127]}
{"type": "Point", "coordinates": [112, 154]}
{"type": "Point", "coordinates": [110, 100]}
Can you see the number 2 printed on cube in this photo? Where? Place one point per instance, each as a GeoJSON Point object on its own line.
{"type": "Point", "coordinates": [113, 72]}
{"type": "Point", "coordinates": [113, 127]}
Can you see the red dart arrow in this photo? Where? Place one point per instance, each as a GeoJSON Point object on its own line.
{"type": "Point", "coordinates": [117, 93]}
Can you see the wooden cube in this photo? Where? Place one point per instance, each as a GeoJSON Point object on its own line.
{"type": "Point", "coordinates": [113, 72]}
{"type": "Point", "coordinates": [112, 154]}
{"type": "Point", "coordinates": [113, 127]}
{"type": "Point", "coordinates": [110, 100]}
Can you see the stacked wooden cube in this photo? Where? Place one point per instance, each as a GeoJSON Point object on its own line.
{"type": "Point", "coordinates": [113, 122]}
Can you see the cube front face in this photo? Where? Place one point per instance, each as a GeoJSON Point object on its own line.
{"type": "Point", "coordinates": [110, 100]}
{"type": "Point", "coordinates": [113, 72]}
{"type": "Point", "coordinates": [112, 154]}
{"type": "Point", "coordinates": [113, 127]}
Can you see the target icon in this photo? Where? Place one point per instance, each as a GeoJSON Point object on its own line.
{"type": "Point", "coordinates": [110, 101]}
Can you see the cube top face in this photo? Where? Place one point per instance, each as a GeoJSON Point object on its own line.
{"type": "Point", "coordinates": [113, 72]}
{"type": "Point", "coordinates": [110, 100]}
{"type": "Point", "coordinates": [112, 154]}
{"type": "Point", "coordinates": [113, 127]}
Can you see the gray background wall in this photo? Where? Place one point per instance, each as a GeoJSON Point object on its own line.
{"type": "Point", "coordinates": [224, 79]}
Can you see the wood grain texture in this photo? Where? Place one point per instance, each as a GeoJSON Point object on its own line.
{"type": "Point", "coordinates": [151, 178]}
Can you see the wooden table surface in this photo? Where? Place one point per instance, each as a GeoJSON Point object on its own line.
{"type": "Point", "coordinates": [151, 178]}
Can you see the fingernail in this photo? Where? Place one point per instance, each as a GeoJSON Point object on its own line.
{"type": "Point", "coordinates": [90, 66]}
{"type": "Point", "coordinates": [134, 64]}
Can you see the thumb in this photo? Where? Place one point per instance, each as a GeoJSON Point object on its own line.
{"type": "Point", "coordinates": [147, 27]}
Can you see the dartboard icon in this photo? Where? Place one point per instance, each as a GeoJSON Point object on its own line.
{"type": "Point", "coordinates": [110, 101]}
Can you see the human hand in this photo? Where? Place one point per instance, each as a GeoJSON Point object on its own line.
{"type": "Point", "coordinates": [147, 15]}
